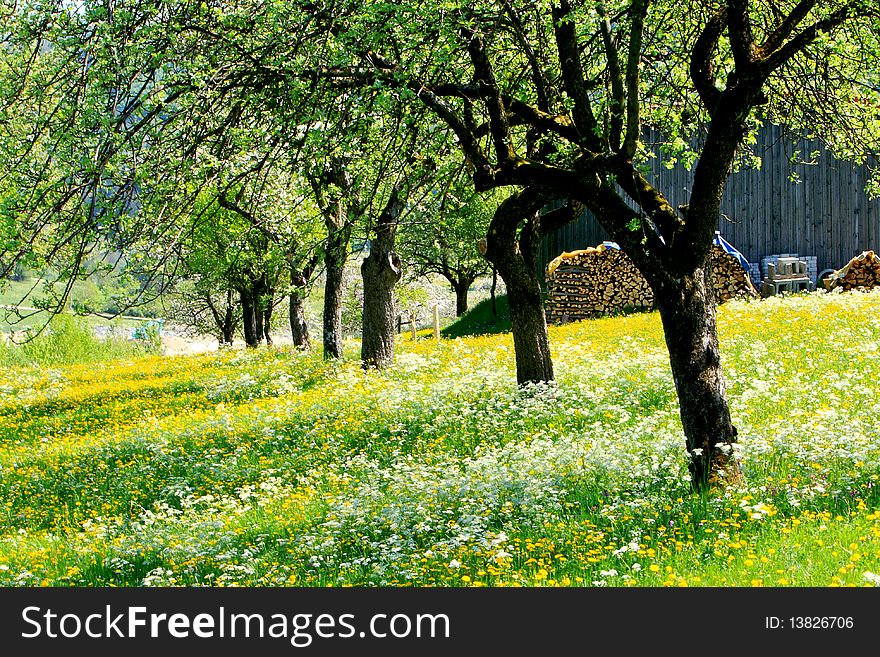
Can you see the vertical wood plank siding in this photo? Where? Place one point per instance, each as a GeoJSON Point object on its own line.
{"type": "Point", "coordinates": [793, 203]}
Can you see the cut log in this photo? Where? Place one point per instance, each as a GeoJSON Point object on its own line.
{"type": "Point", "coordinates": [863, 271]}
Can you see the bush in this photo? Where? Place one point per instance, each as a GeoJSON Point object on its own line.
{"type": "Point", "coordinates": [69, 339]}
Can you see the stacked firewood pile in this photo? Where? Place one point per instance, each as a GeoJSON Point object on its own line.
{"type": "Point", "coordinates": [600, 281]}
{"type": "Point", "coordinates": [862, 271]}
{"type": "Point", "coordinates": [730, 280]}
{"type": "Point", "coordinates": [593, 282]}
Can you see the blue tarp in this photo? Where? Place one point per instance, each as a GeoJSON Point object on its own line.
{"type": "Point", "coordinates": [724, 244]}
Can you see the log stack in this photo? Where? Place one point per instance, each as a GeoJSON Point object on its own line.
{"type": "Point", "coordinates": [601, 281]}
{"type": "Point", "coordinates": [593, 282]}
{"type": "Point", "coordinates": [863, 271]}
{"type": "Point", "coordinates": [729, 278]}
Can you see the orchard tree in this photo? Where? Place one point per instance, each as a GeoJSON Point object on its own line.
{"type": "Point", "coordinates": [199, 304]}
{"type": "Point", "coordinates": [284, 224]}
{"type": "Point", "coordinates": [79, 116]}
{"type": "Point", "coordinates": [233, 269]}
{"type": "Point", "coordinates": [411, 163]}
{"type": "Point", "coordinates": [550, 98]}
{"type": "Point", "coordinates": [445, 241]}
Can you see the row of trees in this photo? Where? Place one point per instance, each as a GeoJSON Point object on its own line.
{"type": "Point", "coordinates": [145, 130]}
{"type": "Point", "coordinates": [221, 132]}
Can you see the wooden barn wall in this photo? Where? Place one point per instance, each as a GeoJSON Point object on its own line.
{"type": "Point", "coordinates": [766, 211]}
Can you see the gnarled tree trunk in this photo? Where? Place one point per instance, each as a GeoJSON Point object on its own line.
{"type": "Point", "coordinates": [249, 318]}
{"type": "Point", "coordinates": [381, 271]}
{"type": "Point", "coordinates": [528, 325]}
{"type": "Point", "coordinates": [513, 257]}
{"type": "Point", "coordinates": [687, 310]}
{"type": "Point", "coordinates": [334, 266]}
{"type": "Point", "coordinates": [299, 329]}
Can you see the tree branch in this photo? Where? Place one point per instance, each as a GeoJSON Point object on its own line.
{"type": "Point", "coordinates": [561, 217]}
{"type": "Point", "coordinates": [509, 214]}
{"type": "Point", "coordinates": [639, 11]}
{"type": "Point", "coordinates": [774, 60]}
{"type": "Point", "coordinates": [381, 68]}
{"type": "Point", "coordinates": [701, 68]}
{"type": "Point", "coordinates": [615, 133]}
{"type": "Point", "coordinates": [523, 112]}
{"type": "Point", "coordinates": [538, 78]}
{"type": "Point", "coordinates": [224, 202]}
{"type": "Point", "coordinates": [573, 77]}
{"type": "Point", "coordinates": [616, 217]}
{"type": "Point", "coordinates": [739, 27]}
{"type": "Point", "coordinates": [499, 126]}
{"type": "Point", "coordinates": [786, 27]}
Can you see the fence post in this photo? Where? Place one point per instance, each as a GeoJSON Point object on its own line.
{"type": "Point", "coordinates": [436, 322]}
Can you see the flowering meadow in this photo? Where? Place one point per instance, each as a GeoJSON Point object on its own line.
{"type": "Point", "coordinates": [270, 467]}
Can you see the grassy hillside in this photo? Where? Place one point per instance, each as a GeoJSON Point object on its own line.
{"type": "Point", "coordinates": [479, 320]}
{"type": "Point", "coordinates": [271, 467]}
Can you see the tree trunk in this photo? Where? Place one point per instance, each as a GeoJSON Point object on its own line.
{"type": "Point", "coordinates": [334, 266]}
{"type": "Point", "coordinates": [685, 299]}
{"type": "Point", "coordinates": [678, 270]}
{"type": "Point", "coordinates": [529, 328]}
{"type": "Point", "coordinates": [461, 295]}
{"type": "Point", "coordinates": [258, 317]}
{"type": "Point", "coordinates": [249, 319]}
{"type": "Point", "coordinates": [686, 302]}
{"type": "Point", "coordinates": [687, 310]}
{"type": "Point", "coordinates": [227, 329]}
{"type": "Point", "coordinates": [267, 321]}
{"type": "Point", "coordinates": [299, 329]}
{"type": "Point", "coordinates": [381, 270]}
{"type": "Point", "coordinates": [492, 291]}
{"type": "Point", "coordinates": [337, 211]}
{"type": "Point", "coordinates": [514, 260]}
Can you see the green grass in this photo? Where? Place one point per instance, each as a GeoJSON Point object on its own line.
{"type": "Point", "coordinates": [479, 320]}
{"type": "Point", "coordinates": [26, 294]}
{"type": "Point", "coordinates": [12, 292]}
{"type": "Point", "coordinates": [69, 339]}
{"type": "Point", "coordinates": [270, 467]}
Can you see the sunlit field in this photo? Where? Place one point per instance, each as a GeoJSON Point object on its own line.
{"type": "Point", "coordinates": [275, 468]}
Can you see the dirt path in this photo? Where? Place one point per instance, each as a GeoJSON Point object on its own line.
{"type": "Point", "coordinates": [174, 344]}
